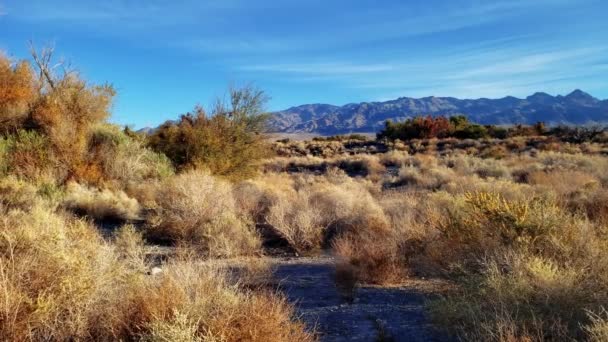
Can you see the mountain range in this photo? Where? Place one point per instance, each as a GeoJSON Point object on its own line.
{"type": "Point", "coordinates": [576, 108]}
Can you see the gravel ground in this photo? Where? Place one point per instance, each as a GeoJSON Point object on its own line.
{"type": "Point", "coordinates": [376, 314]}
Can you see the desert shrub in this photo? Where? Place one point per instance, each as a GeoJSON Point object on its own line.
{"type": "Point", "coordinates": [388, 249]}
{"type": "Point", "coordinates": [27, 155]}
{"type": "Point", "coordinates": [528, 263]}
{"type": "Point", "coordinates": [457, 126]}
{"type": "Point", "coordinates": [432, 178]}
{"type": "Point", "coordinates": [17, 92]}
{"type": "Point", "coordinates": [371, 253]}
{"type": "Point", "coordinates": [53, 114]}
{"type": "Point", "coordinates": [416, 128]}
{"type": "Point", "coordinates": [592, 203]}
{"type": "Point", "coordinates": [394, 158]}
{"type": "Point", "coordinates": [538, 128]}
{"type": "Point", "coordinates": [525, 297]}
{"type": "Point", "coordinates": [197, 209]}
{"type": "Point", "coordinates": [485, 168]}
{"type": "Point", "coordinates": [55, 273]}
{"type": "Point", "coordinates": [228, 143]}
{"type": "Point", "coordinates": [471, 131]}
{"type": "Point", "coordinates": [297, 218]}
{"type": "Point", "coordinates": [129, 245]}
{"type": "Point", "coordinates": [65, 114]}
{"type": "Point", "coordinates": [193, 301]}
{"type": "Point", "coordinates": [60, 281]}
{"type": "Point", "coordinates": [485, 221]}
{"type": "Point", "coordinates": [563, 182]}
{"type": "Point", "coordinates": [124, 158]}
{"type": "Point", "coordinates": [101, 204]}
{"type": "Point", "coordinates": [494, 152]}
{"type": "Point", "coordinates": [312, 212]}
{"type": "Point", "coordinates": [19, 194]}
{"type": "Point", "coordinates": [578, 134]}
{"type": "Point", "coordinates": [497, 132]}
{"type": "Point", "coordinates": [598, 329]}
{"type": "Point", "coordinates": [366, 166]}
{"type": "Point", "coordinates": [593, 165]}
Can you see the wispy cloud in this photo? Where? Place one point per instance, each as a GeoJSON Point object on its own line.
{"type": "Point", "coordinates": [531, 63]}
{"type": "Point", "coordinates": [474, 71]}
{"type": "Point", "coordinates": [335, 68]}
{"type": "Point", "coordinates": [383, 23]}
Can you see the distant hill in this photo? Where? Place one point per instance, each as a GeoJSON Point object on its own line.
{"type": "Point", "coordinates": [577, 108]}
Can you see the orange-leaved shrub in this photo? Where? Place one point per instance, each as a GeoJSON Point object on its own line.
{"type": "Point", "coordinates": [61, 110]}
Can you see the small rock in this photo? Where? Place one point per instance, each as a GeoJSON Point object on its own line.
{"type": "Point", "coordinates": [156, 270]}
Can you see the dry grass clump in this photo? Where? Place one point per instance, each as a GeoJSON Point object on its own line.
{"type": "Point", "coordinates": [363, 165]}
{"type": "Point", "coordinates": [197, 209]}
{"type": "Point", "coordinates": [593, 165]}
{"type": "Point", "coordinates": [57, 278]}
{"type": "Point", "coordinates": [193, 302]}
{"type": "Point", "coordinates": [564, 183]}
{"type": "Point", "coordinates": [484, 168]}
{"type": "Point", "coordinates": [60, 281]}
{"type": "Point", "coordinates": [593, 203]}
{"type": "Point", "coordinates": [297, 218]}
{"type": "Point", "coordinates": [101, 204]}
{"type": "Point", "coordinates": [388, 248]}
{"type": "Point", "coordinates": [431, 179]}
{"type": "Point", "coordinates": [19, 194]}
{"type": "Point", "coordinates": [295, 164]}
{"type": "Point", "coordinates": [315, 211]}
{"type": "Point", "coordinates": [597, 331]}
{"type": "Point", "coordinates": [372, 255]}
{"type": "Point", "coordinates": [527, 266]}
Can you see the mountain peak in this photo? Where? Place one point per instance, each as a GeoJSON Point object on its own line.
{"type": "Point", "coordinates": [579, 94]}
{"type": "Point", "coordinates": [540, 97]}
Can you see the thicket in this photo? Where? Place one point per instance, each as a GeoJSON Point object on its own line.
{"type": "Point", "coordinates": [53, 129]}
{"type": "Point", "coordinates": [460, 127]}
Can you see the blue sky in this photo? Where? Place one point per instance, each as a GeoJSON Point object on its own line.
{"type": "Point", "coordinates": [166, 56]}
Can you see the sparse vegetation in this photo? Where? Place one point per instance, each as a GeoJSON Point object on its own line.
{"type": "Point", "coordinates": [66, 175]}
{"type": "Point", "coordinates": [515, 218]}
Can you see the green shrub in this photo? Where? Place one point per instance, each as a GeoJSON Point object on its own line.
{"type": "Point", "coordinates": [124, 157]}
{"type": "Point", "coordinates": [227, 143]}
{"type": "Point", "coordinates": [27, 154]}
{"type": "Point", "coordinates": [471, 131]}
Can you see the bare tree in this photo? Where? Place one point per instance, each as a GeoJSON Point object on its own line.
{"type": "Point", "coordinates": [43, 60]}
